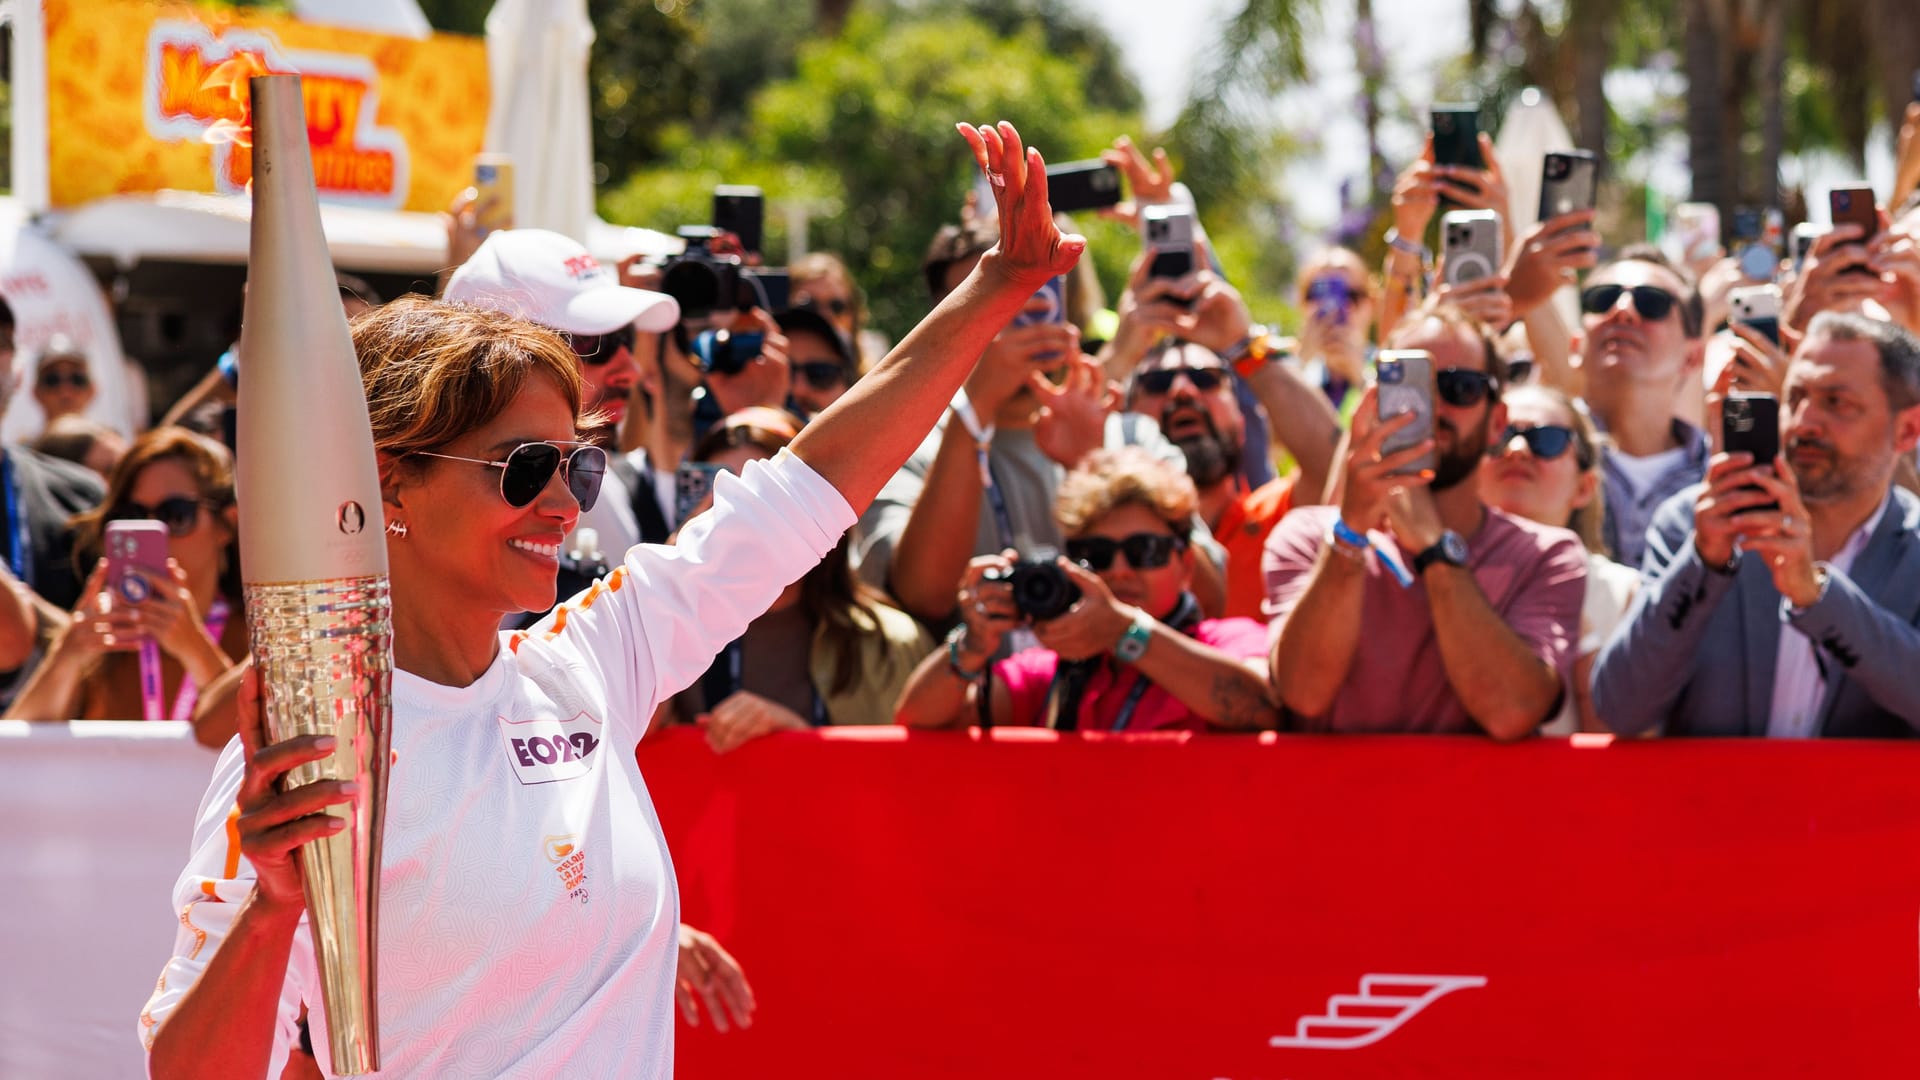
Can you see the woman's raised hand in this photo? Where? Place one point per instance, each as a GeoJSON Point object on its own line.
{"type": "Point", "coordinates": [1031, 249]}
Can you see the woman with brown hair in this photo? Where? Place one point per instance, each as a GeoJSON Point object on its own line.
{"type": "Point", "coordinates": [831, 649]}
{"type": "Point", "coordinates": [528, 907]}
{"type": "Point", "coordinates": [101, 666]}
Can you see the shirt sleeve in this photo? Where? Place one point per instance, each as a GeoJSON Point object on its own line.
{"type": "Point", "coordinates": [654, 625]}
{"type": "Point", "coordinates": [206, 899]}
{"type": "Point", "coordinates": [1546, 608]}
{"type": "Point", "coordinates": [1292, 548]}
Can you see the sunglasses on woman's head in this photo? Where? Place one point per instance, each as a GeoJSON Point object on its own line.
{"type": "Point", "coordinates": [1651, 301]}
{"type": "Point", "coordinates": [822, 374]}
{"type": "Point", "coordinates": [596, 349]}
{"type": "Point", "coordinates": [1160, 380]}
{"type": "Point", "coordinates": [525, 472]}
{"type": "Point", "coordinates": [1144, 551]}
{"type": "Point", "coordinates": [54, 380]}
{"type": "Point", "coordinates": [179, 513]}
{"type": "Point", "coordinates": [1462, 387]}
{"type": "Point", "coordinates": [1544, 441]}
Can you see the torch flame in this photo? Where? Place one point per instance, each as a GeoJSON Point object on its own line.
{"type": "Point", "coordinates": [233, 73]}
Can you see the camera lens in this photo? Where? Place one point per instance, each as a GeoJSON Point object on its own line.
{"type": "Point", "coordinates": [1041, 590]}
{"type": "Point", "coordinates": [694, 284]}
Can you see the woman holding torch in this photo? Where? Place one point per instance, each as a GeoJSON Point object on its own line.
{"type": "Point", "coordinates": [527, 902]}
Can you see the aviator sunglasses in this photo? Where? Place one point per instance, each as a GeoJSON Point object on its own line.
{"type": "Point", "coordinates": [1650, 301]}
{"type": "Point", "coordinates": [179, 513]}
{"type": "Point", "coordinates": [596, 349]}
{"type": "Point", "coordinates": [1160, 381]}
{"type": "Point", "coordinates": [1544, 441]}
{"type": "Point", "coordinates": [525, 472]}
{"type": "Point", "coordinates": [1144, 551]}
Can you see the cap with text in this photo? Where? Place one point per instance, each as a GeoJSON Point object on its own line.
{"type": "Point", "coordinates": [552, 280]}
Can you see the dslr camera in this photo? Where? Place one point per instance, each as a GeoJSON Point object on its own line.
{"type": "Point", "coordinates": [1041, 590]}
{"type": "Point", "coordinates": [701, 280]}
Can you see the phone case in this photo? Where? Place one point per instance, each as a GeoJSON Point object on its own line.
{"type": "Point", "coordinates": [1456, 136]}
{"type": "Point", "coordinates": [1568, 182]}
{"type": "Point", "coordinates": [1082, 185]}
{"type": "Point", "coordinates": [493, 181]}
{"type": "Point", "coordinates": [136, 558]}
{"type": "Point", "coordinates": [740, 210]}
{"type": "Point", "coordinates": [1168, 233]}
{"type": "Point", "coordinates": [1405, 385]}
{"type": "Point", "coordinates": [692, 483]}
{"type": "Point", "coordinates": [1470, 241]}
{"type": "Point", "coordinates": [1758, 308]}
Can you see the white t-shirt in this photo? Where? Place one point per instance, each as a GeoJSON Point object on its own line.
{"type": "Point", "coordinates": [1640, 473]}
{"type": "Point", "coordinates": [1610, 589]}
{"type": "Point", "coordinates": [528, 910]}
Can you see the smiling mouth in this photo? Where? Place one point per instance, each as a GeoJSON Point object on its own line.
{"type": "Point", "coordinates": [547, 551]}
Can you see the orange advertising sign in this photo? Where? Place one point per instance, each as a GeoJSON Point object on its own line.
{"type": "Point", "coordinates": [145, 96]}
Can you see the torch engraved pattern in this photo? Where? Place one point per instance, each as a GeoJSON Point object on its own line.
{"type": "Point", "coordinates": [325, 648]}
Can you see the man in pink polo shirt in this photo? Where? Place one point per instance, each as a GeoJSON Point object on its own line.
{"type": "Point", "coordinates": [1481, 634]}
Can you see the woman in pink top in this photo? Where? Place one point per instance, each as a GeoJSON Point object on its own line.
{"type": "Point", "coordinates": [1131, 653]}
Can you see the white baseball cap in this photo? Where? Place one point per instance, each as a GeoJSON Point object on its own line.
{"type": "Point", "coordinates": [552, 280]}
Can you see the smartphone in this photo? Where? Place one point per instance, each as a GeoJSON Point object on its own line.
{"type": "Point", "coordinates": [1804, 234]}
{"type": "Point", "coordinates": [493, 181]}
{"type": "Point", "coordinates": [1853, 205]}
{"type": "Point", "coordinates": [1696, 227]}
{"type": "Point", "coordinates": [692, 484]}
{"type": "Point", "coordinates": [1747, 225]}
{"type": "Point", "coordinates": [1456, 135]}
{"type": "Point", "coordinates": [1082, 185]}
{"type": "Point", "coordinates": [1750, 423]}
{"type": "Point", "coordinates": [1048, 305]}
{"type": "Point", "coordinates": [1168, 233]}
{"type": "Point", "coordinates": [1470, 245]}
{"type": "Point", "coordinates": [1568, 181]}
{"type": "Point", "coordinates": [1758, 307]}
{"type": "Point", "coordinates": [1332, 299]}
{"type": "Point", "coordinates": [136, 559]}
{"type": "Point", "coordinates": [1404, 381]}
{"type": "Point", "coordinates": [741, 210]}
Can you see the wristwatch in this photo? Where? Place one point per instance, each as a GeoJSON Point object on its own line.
{"type": "Point", "coordinates": [1133, 644]}
{"type": "Point", "coordinates": [1449, 549]}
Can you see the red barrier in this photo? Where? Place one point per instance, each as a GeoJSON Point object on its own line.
{"type": "Point", "coordinates": [935, 905]}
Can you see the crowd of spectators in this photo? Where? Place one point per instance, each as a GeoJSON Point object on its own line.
{"type": "Point", "coordinates": [1167, 515]}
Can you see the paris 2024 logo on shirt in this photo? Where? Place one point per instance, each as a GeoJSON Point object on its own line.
{"type": "Point", "coordinates": [544, 750]}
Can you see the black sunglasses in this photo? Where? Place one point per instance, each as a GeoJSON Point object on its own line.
{"type": "Point", "coordinates": [525, 472]}
{"type": "Point", "coordinates": [821, 374]}
{"type": "Point", "coordinates": [1462, 387]}
{"type": "Point", "coordinates": [179, 513]}
{"type": "Point", "coordinates": [836, 305]}
{"type": "Point", "coordinates": [1144, 551]}
{"type": "Point", "coordinates": [1544, 441]}
{"type": "Point", "coordinates": [1160, 380]}
{"type": "Point", "coordinates": [596, 349]}
{"type": "Point", "coordinates": [53, 380]}
{"type": "Point", "coordinates": [1651, 301]}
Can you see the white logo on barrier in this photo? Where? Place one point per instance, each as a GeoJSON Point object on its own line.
{"type": "Point", "coordinates": [1384, 1003]}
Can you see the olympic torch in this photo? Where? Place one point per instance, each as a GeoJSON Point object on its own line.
{"type": "Point", "coordinates": [313, 554]}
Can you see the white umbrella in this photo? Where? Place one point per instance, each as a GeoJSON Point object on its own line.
{"type": "Point", "coordinates": [537, 69]}
{"type": "Point", "coordinates": [52, 293]}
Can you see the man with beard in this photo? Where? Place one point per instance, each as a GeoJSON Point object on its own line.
{"type": "Point", "coordinates": [1190, 391]}
{"type": "Point", "coordinates": [1479, 633]}
{"type": "Point", "coordinates": [1639, 343]}
{"type": "Point", "coordinates": [1783, 598]}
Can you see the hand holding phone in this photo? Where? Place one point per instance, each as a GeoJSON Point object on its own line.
{"type": "Point", "coordinates": [1759, 308]}
{"type": "Point", "coordinates": [1470, 246]}
{"type": "Point", "coordinates": [1853, 204]}
{"type": "Point", "coordinates": [1168, 233]}
{"type": "Point", "coordinates": [1404, 384]}
{"type": "Point", "coordinates": [1750, 424]}
{"type": "Point", "coordinates": [1569, 181]}
{"type": "Point", "coordinates": [1082, 185]}
{"type": "Point", "coordinates": [1456, 135]}
{"type": "Point", "coordinates": [136, 560]}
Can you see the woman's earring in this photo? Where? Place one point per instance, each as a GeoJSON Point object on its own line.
{"type": "Point", "coordinates": [397, 529]}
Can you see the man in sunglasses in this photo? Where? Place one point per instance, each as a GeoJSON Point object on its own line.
{"type": "Point", "coordinates": [1410, 606]}
{"type": "Point", "coordinates": [1782, 598]}
{"type": "Point", "coordinates": [1640, 342]}
{"type": "Point", "coordinates": [549, 279]}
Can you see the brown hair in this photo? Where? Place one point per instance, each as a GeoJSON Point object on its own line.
{"type": "Point", "coordinates": [435, 370]}
{"type": "Point", "coordinates": [212, 469]}
{"type": "Point", "coordinates": [1130, 476]}
{"type": "Point", "coordinates": [833, 598]}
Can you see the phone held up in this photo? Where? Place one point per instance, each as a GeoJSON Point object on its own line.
{"type": "Point", "coordinates": [1470, 245]}
{"type": "Point", "coordinates": [136, 559]}
{"type": "Point", "coordinates": [1750, 424]}
{"type": "Point", "coordinates": [741, 209]}
{"type": "Point", "coordinates": [1759, 307]}
{"type": "Point", "coordinates": [1569, 181]}
{"type": "Point", "coordinates": [1082, 185]}
{"type": "Point", "coordinates": [1404, 384]}
{"type": "Point", "coordinates": [1853, 205]}
{"type": "Point", "coordinates": [1456, 135]}
{"type": "Point", "coordinates": [692, 486]}
{"type": "Point", "coordinates": [1168, 232]}
{"type": "Point", "coordinates": [493, 192]}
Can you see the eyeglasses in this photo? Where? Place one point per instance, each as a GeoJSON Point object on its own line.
{"type": "Point", "coordinates": [596, 349]}
{"type": "Point", "coordinates": [179, 513]}
{"type": "Point", "coordinates": [1160, 380]}
{"type": "Point", "coordinates": [1462, 387]}
{"type": "Point", "coordinates": [525, 472]}
{"type": "Point", "coordinates": [821, 374]}
{"type": "Point", "coordinates": [1652, 302]}
{"type": "Point", "coordinates": [54, 380]}
{"type": "Point", "coordinates": [1544, 441]}
{"type": "Point", "coordinates": [1144, 551]}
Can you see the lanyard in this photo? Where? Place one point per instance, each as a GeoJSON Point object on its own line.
{"type": "Point", "coordinates": [19, 546]}
{"type": "Point", "coordinates": [982, 446]}
{"type": "Point", "coordinates": [189, 694]}
{"type": "Point", "coordinates": [1064, 696]}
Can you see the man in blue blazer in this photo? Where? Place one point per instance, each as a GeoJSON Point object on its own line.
{"type": "Point", "coordinates": [1801, 620]}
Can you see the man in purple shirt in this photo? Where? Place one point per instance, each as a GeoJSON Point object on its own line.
{"type": "Point", "coordinates": [1481, 635]}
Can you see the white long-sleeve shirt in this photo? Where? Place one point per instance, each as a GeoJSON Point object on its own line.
{"type": "Point", "coordinates": [528, 910]}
